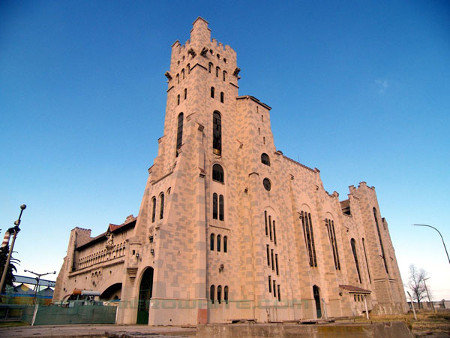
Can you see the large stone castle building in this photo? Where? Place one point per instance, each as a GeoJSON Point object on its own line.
{"type": "Point", "coordinates": [229, 227]}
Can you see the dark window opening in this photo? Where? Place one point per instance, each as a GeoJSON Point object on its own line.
{"type": "Point", "coordinates": [182, 73]}
{"type": "Point", "coordinates": [178, 99]}
{"type": "Point", "coordinates": [210, 67]}
{"type": "Point", "coordinates": [217, 133]}
{"type": "Point", "coordinates": [153, 209]}
{"type": "Point", "coordinates": [180, 131]}
{"type": "Point", "coordinates": [270, 227]}
{"type": "Point", "coordinates": [211, 242]}
{"type": "Point", "coordinates": [268, 255]}
{"type": "Point", "coordinates": [185, 93]}
{"type": "Point", "coordinates": [225, 244]}
{"type": "Point", "coordinates": [332, 236]}
{"type": "Point", "coordinates": [221, 208]}
{"type": "Point", "coordinates": [161, 210]}
{"type": "Point", "coordinates": [217, 173]}
{"type": "Point", "coordinates": [224, 75]}
{"type": "Point", "coordinates": [265, 218]}
{"type": "Point", "coordinates": [211, 293]}
{"type": "Point", "coordinates": [276, 264]}
{"type": "Point", "coordinates": [217, 71]}
{"type": "Point", "coordinates": [270, 284]}
{"type": "Point", "coordinates": [267, 185]}
{"type": "Point", "coordinates": [221, 97]}
{"type": "Point", "coordinates": [274, 233]}
{"type": "Point", "coordinates": [265, 159]}
{"type": "Point", "coordinates": [309, 237]}
{"type": "Point", "coordinates": [274, 289]}
{"type": "Point", "coordinates": [273, 262]}
{"type": "Point", "coordinates": [212, 92]}
{"type": "Point", "coordinates": [225, 294]}
{"type": "Point", "coordinates": [219, 238]}
{"type": "Point", "coordinates": [215, 206]}
{"type": "Point", "coordinates": [279, 293]}
{"type": "Point", "coordinates": [219, 294]}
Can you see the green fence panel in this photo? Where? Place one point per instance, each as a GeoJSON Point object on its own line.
{"type": "Point", "coordinates": [56, 315]}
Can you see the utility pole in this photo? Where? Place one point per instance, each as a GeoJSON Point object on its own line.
{"type": "Point", "coordinates": [428, 294]}
{"type": "Point", "coordinates": [15, 231]}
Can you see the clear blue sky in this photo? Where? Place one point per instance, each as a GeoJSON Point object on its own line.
{"type": "Point", "coordinates": [359, 89]}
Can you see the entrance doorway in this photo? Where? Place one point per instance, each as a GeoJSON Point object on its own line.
{"type": "Point", "coordinates": [316, 292]}
{"type": "Point", "coordinates": [145, 294]}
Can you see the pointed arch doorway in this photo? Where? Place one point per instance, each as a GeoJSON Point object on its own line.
{"type": "Point", "coordinates": [316, 292]}
{"type": "Point", "coordinates": [145, 294]}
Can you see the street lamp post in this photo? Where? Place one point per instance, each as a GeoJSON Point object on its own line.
{"type": "Point", "coordinates": [15, 230]}
{"type": "Point", "coordinates": [426, 225]}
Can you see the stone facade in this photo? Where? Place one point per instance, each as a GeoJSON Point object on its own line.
{"type": "Point", "coordinates": [229, 228]}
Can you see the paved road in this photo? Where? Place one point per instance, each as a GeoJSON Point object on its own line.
{"type": "Point", "coordinates": [97, 331]}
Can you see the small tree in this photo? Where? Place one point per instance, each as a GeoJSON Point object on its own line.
{"type": "Point", "coordinates": [416, 283]}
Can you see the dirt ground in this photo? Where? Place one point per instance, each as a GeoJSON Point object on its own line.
{"type": "Point", "coordinates": [428, 323]}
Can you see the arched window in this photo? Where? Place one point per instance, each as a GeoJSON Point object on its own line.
{"type": "Point", "coordinates": [188, 68]}
{"type": "Point", "coordinates": [381, 242]}
{"type": "Point", "coordinates": [178, 78]}
{"type": "Point", "coordinates": [217, 173]}
{"type": "Point", "coordinates": [210, 67]}
{"type": "Point", "coordinates": [225, 244]}
{"type": "Point", "coordinates": [219, 238]}
{"type": "Point", "coordinates": [211, 242]}
{"type": "Point", "coordinates": [180, 131]}
{"type": "Point", "coordinates": [212, 92]}
{"type": "Point", "coordinates": [161, 210]}
{"type": "Point", "coordinates": [332, 236]}
{"type": "Point", "coordinates": [224, 75]}
{"type": "Point", "coordinates": [316, 293]}
{"type": "Point", "coordinates": [185, 93]}
{"type": "Point", "coordinates": [182, 73]}
{"type": "Point", "coordinates": [217, 133]}
{"type": "Point", "coordinates": [221, 208]}
{"type": "Point", "coordinates": [265, 159]}
{"type": "Point", "coordinates": [355, 256]}
{"type": "Point", "coordinates": [178, 99]}
{"type": "Point", "coordinates": [225, 294]}
{"type": "Point", "coordinates": [212, 290]}
{"type": "Point", "coordinates": [221, 97]}
{"type": "Point", "coordinates": [215, 206]}
{"type": "Point", "coordinates": [217, 71]}
{"type": "Point", "coordinates": [153, 208]}
{"type": "Point", "coordinates": [219, 294]}
{"type": "Point", "coordinates": [309, 237]}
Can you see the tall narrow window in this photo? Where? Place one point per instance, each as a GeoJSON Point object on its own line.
{"type": "Point", "coordinates": [381, 242]}
{"type": "Point", "coordinates": [276, 264]}
{"type": "Point", "coordinates": [265, 159]}
{"type": "Point", "coordinates": [224, 75]}
{"type": "Point", "coordinates": [309, 237]}
{"type": "Point", "coordinates": [178, 78]}
{"type": "Point", "coordinates": [180, 131]}
{"type": "Point", "coordinates": [161, 207]}
{"type": "Point", "coordinates": [274, 289]}
{"type": "Point", "coordinates": [217, 133]}
{"type": "Point", "coordinates": [367, 262]}
{"type": "Point", "coordinates": [225, 244]}
{"type": "Point", "coordinates": [211, 242]}
{"type": "Point", "coordinates": [219, 294]}
{"type": "Point", "coordinates": [221, 97]}
{"type": "Point", "coordinates": [185, 93]}
{"type": "Point", "coordinates": [355, 256]}
{"type": "Point", "coordinates": [188, 68]}
{"type": "Point", "coordinates": [153, 208]}
{"type": "Point", "coordinates": [221, 208]}
{"type": "Point", "coordinates": [265, 219]}
{"type": "Point", "coordinates": [225, 294]}
{"type": "Point", "coordinates": [210, 67]}
{"type": "Point", "coordinates": [212, 92]}
{"type": "Point", "coordinates": [270, 284]}
{"type": "Point", "coordinates": [217, 71]}
{"type": "Point", "coordinates": [273, 262]}
{"type": "Point", "coordinates": [217, 173]}
{"type": "Point", "coordinates": [178, 99]}
{"type": "Point", "coordinates": [270, 227]}
{"type": "Point", "coordinates": [274, 233]}
{"type": "Point", "coordinates": [182, 73]}
{"type": "Point", "coordinates": [279, 293]}
{"type": "Point", "coordinates": [268, 255]}
{"type": "Point", "coordinates": [215, 205]}
{"type": "Point", "coordinates": [332, 236]}
{"type": "Point", "coordinates": [212, 291]}
{"type": "Point", "coordinates": [219, 238]}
